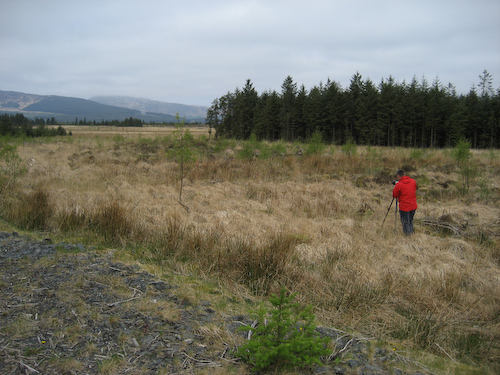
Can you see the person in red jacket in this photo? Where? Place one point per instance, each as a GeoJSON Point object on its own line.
{"type": "Point", "coordinates": [405, 190]}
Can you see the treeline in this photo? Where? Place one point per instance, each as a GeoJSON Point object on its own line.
{"type": "Point", "coordinates": [413, 114]}
{"type": "Point", "coordinates": [133, 122]}
{"type": "Point", "coordinates": [19, 125]}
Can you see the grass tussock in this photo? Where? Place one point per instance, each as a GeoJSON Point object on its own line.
{"type": "Point", "coordinates": [312, 223]}
{"type": "Point", "coordinates": [112, 221]}
{"type": "Point", "coordinates": [31, 210]}
{"type": "Point", "coordinates": [108, 220]}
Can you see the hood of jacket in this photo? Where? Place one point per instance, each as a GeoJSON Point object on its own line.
{"type": "Point", "coordinates": [404, 180]}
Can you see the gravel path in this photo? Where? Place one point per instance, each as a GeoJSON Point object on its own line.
{"type": "Point", "coordinates": [64, 309]}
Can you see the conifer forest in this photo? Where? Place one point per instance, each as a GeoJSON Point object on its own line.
{"type": "Point", "coordinates": [407, 114]}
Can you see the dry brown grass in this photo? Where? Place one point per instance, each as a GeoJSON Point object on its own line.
{"type": "Point", "coordinates": [312, 223]}
{"type": "Point", "coordinates": [128, 132]}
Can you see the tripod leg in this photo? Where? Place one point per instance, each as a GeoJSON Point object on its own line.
{"type": "Point", "coordinates": [387, 212]}
{"type": "Point", "coordinates": [396, 216]}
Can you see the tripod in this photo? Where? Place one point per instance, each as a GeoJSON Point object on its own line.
{"type": "Point", "coordinates": [395, 213]}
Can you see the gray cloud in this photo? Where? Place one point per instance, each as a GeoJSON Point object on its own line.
{"type": "Point", "coordinates": [194, 51]}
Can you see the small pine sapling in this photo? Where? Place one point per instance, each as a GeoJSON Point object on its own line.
{"type": "Point", "coordinates": [182, 151]}
{"type": "Point", "coordinates": [285, 336]}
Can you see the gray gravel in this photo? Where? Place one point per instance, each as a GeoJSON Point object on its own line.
{"type": "Point", "coordinates": [64, 309]}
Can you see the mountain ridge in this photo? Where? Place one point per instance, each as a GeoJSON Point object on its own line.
{"type": "Point", "coordinates": [65, 108]}
{"type": "Point", "coordinates": [145, 105]}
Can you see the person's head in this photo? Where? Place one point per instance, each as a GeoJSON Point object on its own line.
{"type": "Point", "coordinates": [400, 173]}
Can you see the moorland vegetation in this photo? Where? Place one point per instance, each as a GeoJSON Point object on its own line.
{"type": "Point", "coordinates": [255, 217]}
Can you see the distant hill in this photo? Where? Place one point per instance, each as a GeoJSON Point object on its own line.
{"type": "Point", "coordinates": [147, 105]}
{"type": "Point", "coordinates": [16, 101]}
{"type": "Point", "coordinates": [74, 107]}
{"type": "Point", "coordinates": [68, 108]}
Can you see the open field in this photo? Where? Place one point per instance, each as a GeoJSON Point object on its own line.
{"type": "Point", "coordinates": [312, 223]}
{"type": "Point", "coordinates": [129, 132]}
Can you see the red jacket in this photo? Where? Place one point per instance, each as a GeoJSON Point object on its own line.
{"type": "Point", "coordinates": [406, 190]}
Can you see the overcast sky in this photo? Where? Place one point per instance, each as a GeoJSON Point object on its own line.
{"type": "Point", "coordinates": [193, 51]}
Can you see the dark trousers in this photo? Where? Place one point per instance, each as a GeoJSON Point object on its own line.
{"type": "Point", "coordinates": [407, 221]}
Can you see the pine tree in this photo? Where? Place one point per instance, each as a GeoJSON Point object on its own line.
{"type": "Point", "coordinates": [486, 84]}
{"type": "Point", "coordinates": [288, 109]}
{"type": "Point", "coordinates": [213, 117]}
{"type": "Point", "coordinates": [335, 101]}
{"type": "Point", "coordinates": [245, 103]}
{"type": "Point", "coordinates": [367, 126]}
{"type": "Point", "coordinates": [267, 124]}
{"type": "Point", "coordinates": [284, 337]}
{"type": "Point", "coordinates": [387, 111]}
{"type": "Point", "coordinates": [354, 95]}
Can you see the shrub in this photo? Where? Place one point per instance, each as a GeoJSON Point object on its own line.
{"type": "Point", "coordinates": [468, 174]}
{"type": "Point", "coordinates": [251, 148]}
{"type": "Point", "coordinates": [461, 153]}
{"type": "Point", "coordinates": [417, 154]}
{"type": "Point", "coordinates": [468, 170]}
{"type": "Point", "coordinates": [222, 144]}
{"type": "Point", "coordinates": [350, 148]}
{"type": "Point", "coordinates": [315, 145]}
{"type": "Point", "coordinates": [284, 337]}
{"type": "Point", "coordinates": [247, 152]}
{"type": "Point", "coordinates": [279, 148]}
